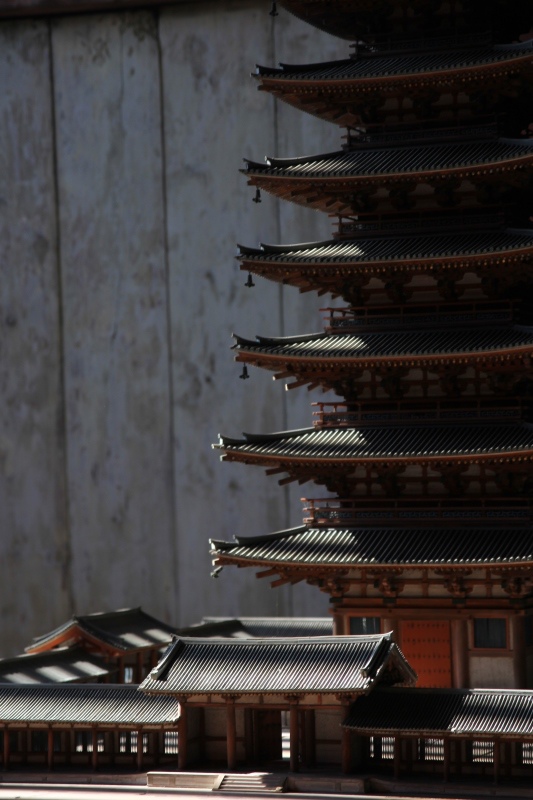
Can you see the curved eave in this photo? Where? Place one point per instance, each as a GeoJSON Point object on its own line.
{"type": "Point", "coordinates": [283, 83]}
{"type": "Point", "coordinates": [260, 265]}
{"type": "Point", "coordinates": [263, 177]}
{"type": "Point", "coordinates": [305, 548]}
{"type": "Point", "coordinates": [337, 448]}
{"type": "Point", "coordinates": [225, 558]}
{"type": "Point", "coordinates": [277, 459]}
{"type": "Point", "coordinates": [279, 361]}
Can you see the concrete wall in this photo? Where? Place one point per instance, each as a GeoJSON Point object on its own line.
{"type": "Point", "coordinates": [120, 207]}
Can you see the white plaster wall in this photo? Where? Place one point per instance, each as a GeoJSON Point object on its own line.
{"type": "Point", "coordinates": [491, 672]}
{"type": "Point", "coordinates": [328, 734]}
{"type": "Point", "coordinates": [121, 205]}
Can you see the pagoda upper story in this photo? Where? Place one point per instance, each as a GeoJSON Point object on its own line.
{"type": "Point", "coordinates": [387, 22]}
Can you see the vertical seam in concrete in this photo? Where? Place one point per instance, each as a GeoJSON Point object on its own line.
{"type": "Point", "coordinates": [281, 289]}
{"type": "Point", "coordinates": [172, 466]}
{"type": "Point", "coordinates": [62, 405]}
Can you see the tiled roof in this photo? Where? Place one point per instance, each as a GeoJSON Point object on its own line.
{"type": "Point", "coordinates": [386, 65]}
{"type": "Point", "coordinates": [254, 627]}
{"type": "Point", "coordinates": [316, 664]}
{"type": "Point", "coordinates": [91, 704]}
{"type": "Point", "coordinates": [352, 444]}
{"type": "Point", "coordinates": [127, 629]}
{"type": "Point", "coordinates": [384, 546]}
{"type": "Point", "coordinates": [61, 665]}
{"type": "Point", "coordinates": [393, 248]}
{"type": "Point", "coordinates": [455, 712]}
{"type": "Point", "coordinates": [356, 19]}
{"type": "Point", "coordinates": [431, 343]}
{"type": "Point", "coordinates": [395, 160]}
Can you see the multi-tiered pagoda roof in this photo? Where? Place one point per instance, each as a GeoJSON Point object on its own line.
{"type": "Point", "coordinates": [429, 457]}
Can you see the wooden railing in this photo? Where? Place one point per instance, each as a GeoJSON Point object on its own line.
{"type": "Point", "coordinates": [335, 415]}
{"type": "Point", "coordinates": [436, 41]}
{"type": "Point", "coordinates": [423, 315]}
{"type": "Point", "coordinates": [465, 132]}
{"type": "Point", "coordinates": [334, 512]}
{"type": "Point", "coordinates": [349, 227]}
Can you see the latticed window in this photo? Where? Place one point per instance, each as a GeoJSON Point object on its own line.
{"type": "Point", "coordinates": [482, 752]}
{"type": "Point", "coordinates": [382, 747]}
{"type": "Point", "coordinates": [430, 749]}
{"type": "Point", "coordinates": [171, 742]}
{"type": "Point", "coordinates": [527, 753]}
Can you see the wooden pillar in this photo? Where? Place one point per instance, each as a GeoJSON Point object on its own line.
{"type": "Point", "coordinates": [140, 665]}
{"type": "Point", "coordinates": [346, 758]}
{"type": "Point", "coordinates": [446, 745]}
{"type": "Point", "coordinates": [339, 622]}
{"type": "Point", "coordinates": [94, 746]}
{"type": "Point", "coordinates": [390, 624]}
{"type": "Point", "coordinates": [182, 736]}
{"type": "Point", "coordinates": [294, 736]}
{"type": "Point", "coordinates": [248, 734]}
{"type": "Point", "coordinates": [50, 749]}
{"type": "Point", "coordinates": [496, 760]}
{"type": "Point", "coordinates": [507, 758]}
{"type": "Point", "coordinates": [6, 747]}
{"type": "Point", "coordinates": [231, 734]}
{"type": "Point", "coordinates": [201, 735]}
{"type": "Point", "coordinates": [112, 746]}
{"type": "Point", "coordinates": [459, 647]}
{"type": "Point", "coordinates": [519, 651]}
{"type": "Point", "coordinates": [346, 734]}
{"type": "Point", "coordinates": [120, 663]}
{"type": "Point", "coordinates": [140, 748]}
{"type": "Point", "coordinates": [397, 756]}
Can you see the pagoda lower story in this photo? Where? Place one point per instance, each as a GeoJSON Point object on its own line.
{"type": "Point", "coordinates": [422, 523]}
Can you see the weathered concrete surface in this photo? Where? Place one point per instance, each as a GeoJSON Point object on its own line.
{"type": "Point", "coordinates": [115, 311]}
{"type": "Point", "coordinates": [35, 573]}
{"type": "Point", "coordinates": [153, 115]}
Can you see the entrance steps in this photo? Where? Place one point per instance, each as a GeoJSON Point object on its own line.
{"type": "Point", "coordinates": [253, 782]}
{"type": "Point", "coordinates": [235, 782]}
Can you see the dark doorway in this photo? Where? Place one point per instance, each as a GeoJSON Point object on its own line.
{"type": "Point", "coordinates": [267, 735]}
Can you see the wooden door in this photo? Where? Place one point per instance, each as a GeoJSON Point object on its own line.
{"type": "Point", "coordinates": [267, 735]}
{"type": "Point", "coordinates": [426, 646]}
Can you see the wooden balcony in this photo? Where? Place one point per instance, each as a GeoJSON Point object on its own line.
{"type": "Point", "coordinates": [426, 315]}
{"type": "Point", "coordinates": [351, 227]}
{"type": "Point", "coordinates": [335, 415]}
{"type": "Point", "coordinates": [340, 513]}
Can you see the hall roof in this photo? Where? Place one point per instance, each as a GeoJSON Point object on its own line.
{"type": "Point", "coordinates": [85, 704]}
{"type": "Point", "coordinates": [375, 547]}
{"type": "Point", "coordinates": [403, 443]}
{"type": "Point", "coordinates": [325, 664]}
{"type": "Point", "coordinates": [257, 627]}
{"type": "Point", "coordinates": [430, 344]}
{"type": "Point", "coordinates": [61, 665]}
{"type": "Point", "coordinates": [122, 630]}
{"type": "Point", "coordinates": [445, 712]}
{"type": "Point", "coordinates": [393, 248]}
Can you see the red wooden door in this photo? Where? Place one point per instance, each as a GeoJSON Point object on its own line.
{"type": "Point", "coordinates": [426, 646]}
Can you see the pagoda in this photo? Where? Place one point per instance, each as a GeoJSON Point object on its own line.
{"type": "Point", "coordinates": [423, 520]}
